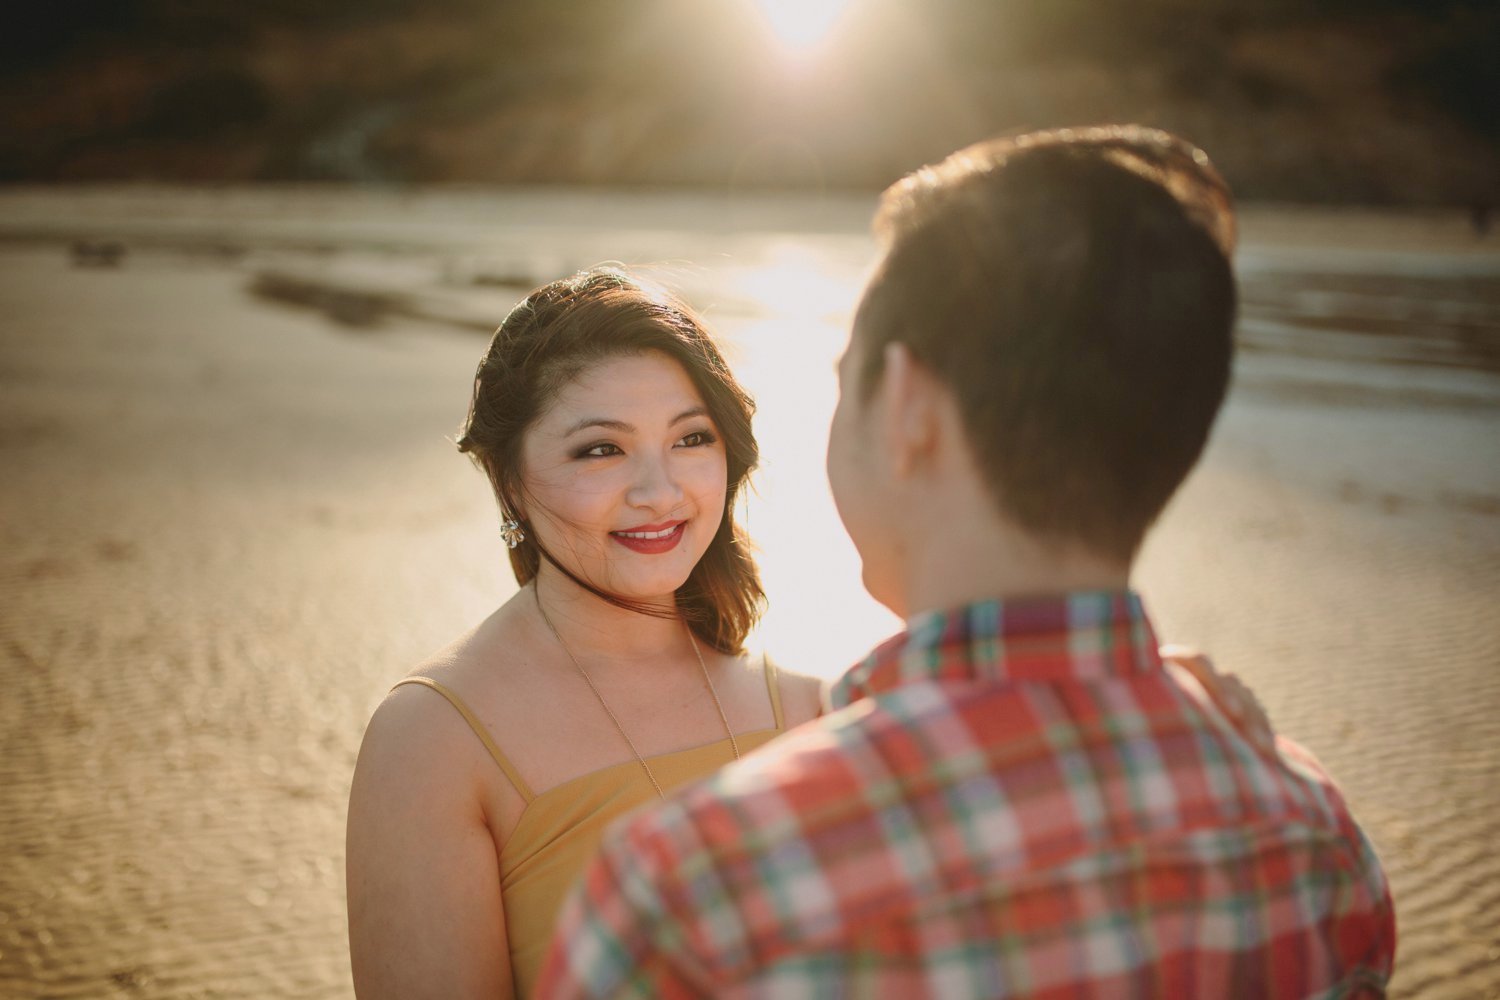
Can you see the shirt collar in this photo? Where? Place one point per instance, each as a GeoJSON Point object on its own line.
{"type": "Point", "coordinates": [1082, 636]}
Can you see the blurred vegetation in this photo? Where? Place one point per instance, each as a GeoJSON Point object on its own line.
{"type": "Point", "coordinates": [1390, 101]}
{"type": "Point", "coordinates": [1457, 67]}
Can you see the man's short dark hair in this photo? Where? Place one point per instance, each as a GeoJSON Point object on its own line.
{"type": "Point", "coordinates": [1074, 290]}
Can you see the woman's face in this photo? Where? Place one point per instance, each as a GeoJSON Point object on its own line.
{"type": "Point", "coordinates": [626, 476]}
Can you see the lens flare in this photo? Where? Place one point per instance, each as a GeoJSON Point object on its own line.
{"type": "Point", "coordinates": [801, 25]}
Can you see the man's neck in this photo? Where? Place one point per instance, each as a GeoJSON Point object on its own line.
{"type": "Point", "coordinates": [992, 559]}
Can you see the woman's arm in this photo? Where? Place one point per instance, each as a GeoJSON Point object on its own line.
{"type": "Point", "coordinates": [425, 918]}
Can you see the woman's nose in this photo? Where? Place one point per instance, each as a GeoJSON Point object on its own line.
{"type": "Point", "coordinates": [655, 487]}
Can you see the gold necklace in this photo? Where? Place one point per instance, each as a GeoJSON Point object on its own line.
{"type": "Point", "coordinates": [733, 743]}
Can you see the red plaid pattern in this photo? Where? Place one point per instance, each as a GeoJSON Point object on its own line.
{"type": "Point", "coordinates": [1017, 800]}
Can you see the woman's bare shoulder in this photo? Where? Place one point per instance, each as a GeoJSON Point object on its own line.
{"type": "Point", "coordinates": [420, 724]}
{"type": "Point", "coordinates": [801, 694]}
{"type": "Point", "coordinates": [415, 733]}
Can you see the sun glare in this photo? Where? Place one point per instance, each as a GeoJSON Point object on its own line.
{"type": "Point", "coordinates": [800, 25]}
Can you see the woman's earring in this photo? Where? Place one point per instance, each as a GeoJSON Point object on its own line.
{"type": "Point", "coordinates": [512, 533]}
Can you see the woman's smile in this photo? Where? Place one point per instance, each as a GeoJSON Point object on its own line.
{"type": "Point", "coordinates": [652, 538]}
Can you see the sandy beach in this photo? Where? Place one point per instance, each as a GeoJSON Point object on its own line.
{"type": "Point", "coordinates": [231, 517]}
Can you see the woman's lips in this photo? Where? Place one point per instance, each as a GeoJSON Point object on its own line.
{"type": "Point", "coordinates": [651, 539]}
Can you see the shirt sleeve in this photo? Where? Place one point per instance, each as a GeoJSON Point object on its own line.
{"type": "Point", "coordinates": [1368, 923]}
{"type": "Point", "coordinates": [615, 937]}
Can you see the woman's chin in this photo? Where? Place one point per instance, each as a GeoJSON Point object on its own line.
{"type": "Point", "coordinates": [647, 588]}
{"type": "Point", "coordinates": [655, 593]}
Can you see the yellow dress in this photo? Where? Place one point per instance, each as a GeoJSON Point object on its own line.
{"type": "Point", "coordinates": [560, 830]}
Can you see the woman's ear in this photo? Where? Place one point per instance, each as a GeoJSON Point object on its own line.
{"type": "Point", "coordinates": [511, 508]}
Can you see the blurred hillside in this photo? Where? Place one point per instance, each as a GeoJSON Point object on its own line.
{"type": "Point", "coordinates": [1374, 101]}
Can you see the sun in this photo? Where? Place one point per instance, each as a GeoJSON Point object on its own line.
{"type": "Point", "coordinates": [800, 25]}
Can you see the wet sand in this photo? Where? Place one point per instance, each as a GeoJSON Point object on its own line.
{"type": "Point", "coordinates": [231, 518]}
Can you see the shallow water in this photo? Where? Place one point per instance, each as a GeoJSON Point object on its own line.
{"type": "Point", "coordinates": [232, 516]}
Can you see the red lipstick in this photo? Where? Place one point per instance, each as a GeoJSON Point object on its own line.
{"type": "Point", "coordinates": [651, 539]}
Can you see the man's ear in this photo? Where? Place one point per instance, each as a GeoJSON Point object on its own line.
{"type": "Point", "coordinates": [911, 411]}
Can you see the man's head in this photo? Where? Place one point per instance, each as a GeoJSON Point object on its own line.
{"type": "Point", "coordinates": [1068, 296]}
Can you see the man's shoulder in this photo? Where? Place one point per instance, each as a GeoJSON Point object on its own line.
{"type": "Point", "coordinates": [815, 763]}
{"type": "Point", "coordinates": [813, 793]}
{"type": "Point", "coordinates": [769, 852]}
{"type": "Point", "coordinates": [757, 800]}
{"type": "Point", "coordinates": [826, 775]}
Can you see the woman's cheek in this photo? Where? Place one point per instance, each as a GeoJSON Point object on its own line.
{"type": "Point", "coordinates": [710, 489]}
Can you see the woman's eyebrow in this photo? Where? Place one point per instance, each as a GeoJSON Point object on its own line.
{"type": "Point", "coordinates": [624, 428]}
{"type": "Point", "coordinates": [614, 425]}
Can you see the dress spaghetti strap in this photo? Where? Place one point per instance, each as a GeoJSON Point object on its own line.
{"type": "Point", "coordinates": [484, 734]}
{"type": "Point", "coordinates": [774, 689]}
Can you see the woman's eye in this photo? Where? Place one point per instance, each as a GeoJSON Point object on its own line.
{"type": "Point", "coordinates": [698, 439]}
{"type": "Point", "coordinates": [601, 450]}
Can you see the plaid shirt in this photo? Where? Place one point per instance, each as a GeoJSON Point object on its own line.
{"type": "Point", "coordinates": [1016, 799]}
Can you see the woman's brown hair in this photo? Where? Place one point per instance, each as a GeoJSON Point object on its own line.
{"type": "Point", "coordinates": [550, 338]}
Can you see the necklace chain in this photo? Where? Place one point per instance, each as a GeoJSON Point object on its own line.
{"type": "Point", "coordinates": [712, 693]}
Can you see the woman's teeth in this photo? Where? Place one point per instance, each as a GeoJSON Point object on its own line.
{"type": "Point", "coordinates": [648, 534]}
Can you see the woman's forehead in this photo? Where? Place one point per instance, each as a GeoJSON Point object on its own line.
{"type": "Point", "coordinates": [641, 389]}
